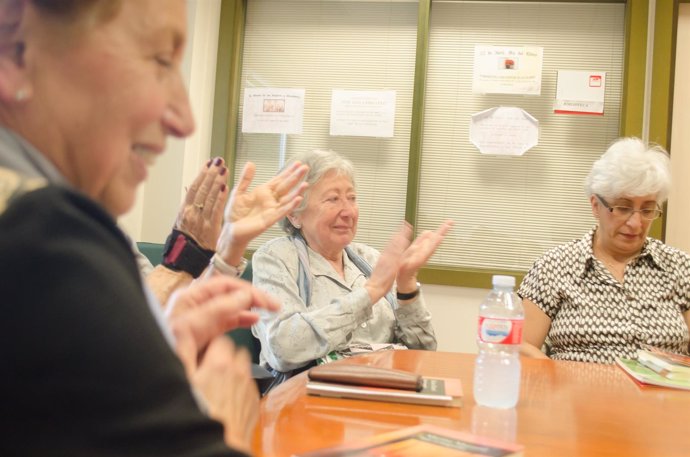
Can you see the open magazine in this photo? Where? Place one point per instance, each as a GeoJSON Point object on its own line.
{"type": "Point", "coordinates": [646, 376]}
{"type": "Point", "coordinates": [356, 349]}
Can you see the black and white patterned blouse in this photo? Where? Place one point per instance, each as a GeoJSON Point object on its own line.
{"type": "Point", "coordinates": [595, 318]}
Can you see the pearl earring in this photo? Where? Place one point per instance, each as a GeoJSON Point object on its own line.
{"type": "Point", "coordinates": [21, 95]}
{"type": "Point", "coordinates": [297, 226]}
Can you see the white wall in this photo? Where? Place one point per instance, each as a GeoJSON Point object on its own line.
{"type": "Point", "coordinates": [678, 220]}
{"type": "Point", "coordinates": [159, 198]}
{"type": "Point", "coordinates": [455, 311]}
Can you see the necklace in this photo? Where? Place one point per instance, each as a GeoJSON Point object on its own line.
{"type": "Point", "coordinates": [616, 267]}
{"type": "Point", "coordinates": [613, 263]}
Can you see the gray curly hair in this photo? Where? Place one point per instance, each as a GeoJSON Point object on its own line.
{"type": "Point", "coordinates": [630, 167]}
{"type": "Point", "coordinates": [320, 162]}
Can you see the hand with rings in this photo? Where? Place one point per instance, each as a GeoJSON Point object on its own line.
{"type": "Point", "coordinates": [250, 213]}
{"type": "Point", "coordinates": [201, 215]}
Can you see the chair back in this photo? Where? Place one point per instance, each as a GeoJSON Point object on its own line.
{"type": "Point", "coordinates": [152, 251]}
{"type": "Point", "coordinates": [241, 336]}
{"type": "Point", "coordinates": [244, 336]}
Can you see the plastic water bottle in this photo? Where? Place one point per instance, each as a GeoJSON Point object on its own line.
{"type": "Point", "coordinates": [499, 424]}
{"type": "Point", "coordinates": [497, 368]}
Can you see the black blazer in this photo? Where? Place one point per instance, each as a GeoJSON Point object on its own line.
{"type": "Point", "coordinates": [84, 368]}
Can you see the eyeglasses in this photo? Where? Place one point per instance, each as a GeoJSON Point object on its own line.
{"type": "Point", "coordinates": [625, 212]}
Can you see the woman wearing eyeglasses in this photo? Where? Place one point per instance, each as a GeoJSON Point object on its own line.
{"type": "Point", "coordinates": [602, 296]}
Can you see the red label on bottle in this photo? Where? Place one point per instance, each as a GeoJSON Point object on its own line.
{"type": "Point", "coordinates": [500, 331]}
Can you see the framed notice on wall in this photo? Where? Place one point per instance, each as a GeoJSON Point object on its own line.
{"type": "Point", "coordinates": [580, 92]}
{"type": "Point", "coordinates": [363, 113]}
{"type": "Point", "coordinates": [272, 110]}
{"type": "Point", "coordinates": [507, 70]}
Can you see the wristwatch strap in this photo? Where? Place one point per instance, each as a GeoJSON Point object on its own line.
{"type": "Point", "coordinates": [409, 295]}
{"type": "Point", "coordinates": [183, 253]}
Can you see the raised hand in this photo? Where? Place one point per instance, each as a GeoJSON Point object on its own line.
{"type": "Point", "coordinates": [418, 254]}
{"type": "Point", "coordinates": [201, 215]}
{"type": "Point", "coordinates": [401, 259]}
{"type": "Point", "coordinates": [386, 269]}
{"type": "Point", "coordinates": [254, 212]}
{"type": "Point", "coordinates": [250, 213]}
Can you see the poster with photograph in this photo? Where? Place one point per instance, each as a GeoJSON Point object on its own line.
{"type": "Point", "coordinates": [507, 70]}
{"type": "Point", "coordinates": [580, 92]}
{"type": "Point", "coordinates": [363, 113]}
{"type": "Point", "coordinates": [273, 110]}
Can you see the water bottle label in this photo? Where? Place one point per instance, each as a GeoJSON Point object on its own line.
{"type": "Point", "coordinates": [500, 331]}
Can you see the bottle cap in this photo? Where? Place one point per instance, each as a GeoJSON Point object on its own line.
{"type": "Point", "coordinates": [503, 281]}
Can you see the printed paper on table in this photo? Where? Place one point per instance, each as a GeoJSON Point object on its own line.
{"type": "Point", "coordinates": [504, 131]}
{"type": "Point", "coordinates": [273, 110]}
{"type": "Point", "coordinates": [422, 441]}
{"type": "Point", "coordinates": [507, 70]}
{"type": "Point", "coordinates": [644, 375]}
{"type": "Point", "coordinates": [363, 113]}
{"type": "Point", "coordinates": [580, 92]}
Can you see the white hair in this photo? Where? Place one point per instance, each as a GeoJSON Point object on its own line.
{"type": "Point", "coordinates": [631, 168]}
{"type": "Point", "coordinates": [320, 162]}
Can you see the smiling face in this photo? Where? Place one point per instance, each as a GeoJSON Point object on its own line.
{"type": "Point", "coordinates": [106, 94]}
{"type": "Point", "coordinates": [329, 221]}
{"type": "Point", "coordinates": [620, 235]}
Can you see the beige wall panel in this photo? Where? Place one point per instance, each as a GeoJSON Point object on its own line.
{"type": "Point", "coordinates": [678, 220]}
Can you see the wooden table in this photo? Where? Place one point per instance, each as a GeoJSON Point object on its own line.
{"type": "Point", "coordinates": [565, 409]}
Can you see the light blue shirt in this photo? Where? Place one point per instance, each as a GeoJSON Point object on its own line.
{"type": "Point", "coordinates": [340, 313]}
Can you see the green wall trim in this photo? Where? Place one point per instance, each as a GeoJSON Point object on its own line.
{"type": "Point", "coordinates": [228, 79]}
{"type": "Point", "coordinates": [662, 71]}
{"type": "Point", "coordinates": [634, 67]}
{"type": "Point", "coordinates": [480, 279]}
{"type": "Point", "coordinates": [417, 127]}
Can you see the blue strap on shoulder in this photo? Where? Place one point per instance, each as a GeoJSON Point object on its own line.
{"type": "Point", "coordinates": [304, 274]}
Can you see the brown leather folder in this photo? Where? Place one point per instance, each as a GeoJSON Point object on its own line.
{"type": "Point", "coordinates": [364, 375]}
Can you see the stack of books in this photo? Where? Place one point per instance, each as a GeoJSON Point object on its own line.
{"type": "Point", "coordinates": [658, 367]}
{"type": "Point", "coordinates": [363, 382]}
{"type": "Point", "coordinates": [668, 364]}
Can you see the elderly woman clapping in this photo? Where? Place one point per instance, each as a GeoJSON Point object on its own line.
{"type": "Point", "coordinates": [606, 294]}
{"type": "Point", "coordinates": [90, 90]}
{"type": "Point", "coordinates": [336, 293]}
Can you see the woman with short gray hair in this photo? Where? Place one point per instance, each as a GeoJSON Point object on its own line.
{"type": "Point", "coordinates": [320, 162]}
{"type": "Point", "coordinates": [630, 167]}
{"type": "Point", "coordinates": [335, 293]}
{"type": "Point", "coordinates": [605, 295]}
